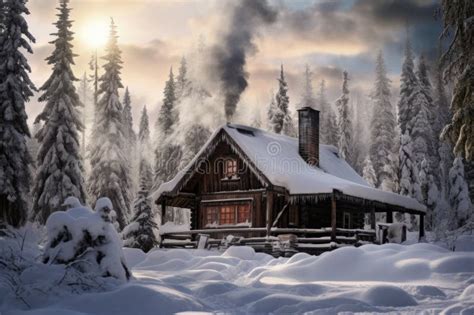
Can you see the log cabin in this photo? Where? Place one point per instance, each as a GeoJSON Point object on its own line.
{"type": "Point", "coordinates": [264, 187]}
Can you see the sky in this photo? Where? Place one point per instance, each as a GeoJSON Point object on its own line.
{"type": "Point", "coordinates": [328, 35]}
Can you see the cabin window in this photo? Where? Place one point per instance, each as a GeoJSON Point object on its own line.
{"type": "Point", "coordinates": [346, 222]}
{"type": "Point", "coordinates": [230, 168]}
{"type": "Point", "coordinates": [211, 215]}
{"type": "Point", "coordinates": [227, 214]}
{"type": "Point", "coordinates": [243, 213]}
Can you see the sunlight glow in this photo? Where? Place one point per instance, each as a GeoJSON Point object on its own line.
{"type": "Point", "coordinates": [95, 33]}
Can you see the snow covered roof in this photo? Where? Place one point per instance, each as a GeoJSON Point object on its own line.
{"type": "Point", "coordinates": [276, 157]}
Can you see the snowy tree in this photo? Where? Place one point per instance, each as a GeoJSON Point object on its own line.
{"type": "Point", "coordinates": [128, 119]}
{"type": "Point", "coordinates": [144, 128]}
{"type": "Point", "coordinates": [183, 85]}
{"type": "Point", "coordinates": [459, 65]}
{"type": "Point", "coordinates": [344, 122]}
{"type": "Point", "coordinates": [86, 240]}
{"type": "Point", "coordinates": [383, 123]}
{"type": "Point", "coordinates": [60, 170]}
{"type": "Point", "coordinates": [110, 170]}
{"type": "Point", "coordinates": [369, 172]}
{"type": "Point", "coordinates": [430, 192]}
{"type": "Point", "coordinates": [409, 183]}
{"type": "Point", "coordinates": [194, 140]}
{"type": "Point", "coordinates": [168, 153]}
{"type": "Point", "coordinates": [420, 131]}
{"type": "Point", "coordinates": [16, 89]}
{"type": "Point", "coordinates": [94, 78]}
{"type": "Point", "coordinates": [281, 120]}
{"type": "Point", "coordinates": [168, 115]}
{"type": "Point", "coordinates": [307, 97]}
{"type": "Point", "coordinates": [140, 233]}
{"type": "Point", "coordinates": [408, 83]}
{"type": "Point", "coordinates": [85, 96]}
{"type": "Point", "coordinates": [327, 118]}
{"type": "Point", "coordinates": [458, 194]}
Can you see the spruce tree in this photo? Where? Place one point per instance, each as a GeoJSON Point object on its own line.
{"type": "Point", "coordinates": [409, 183]}
{"type": "Point", "coordinates": [430, 192]}
{"type": "Point", "coordinates": [128, 119]}
{"type": "Point", "coordinates": [85, 96]}
{"type": "Point", "coordinates": [459, 195]}
{"type": "Point", "coordinates": [60, 171]}
{"type": "Point", "coordinates": [327, 118]}
{"type": "Point", "coordinates": [140, 233]}
{"type": "Point", "coordinates": [382, 127]}
{"type": "Point", "coordinates": [281, 120]}
{"type": "Point", "coordinates": [168, 153]}
{"type": "Point", "coordinates": [16, 89]}
{"type": "Point", "coordinates": [110, 170]}
{"type": "Point", "coordinates": [369, 172]}
{"type": "Point", "coordinates": [344, 122]}
{"type": "Point", "coordinates": [183, 85]}
{"type": "Point", "coordinates": [459, 65]}
{"type": "Point", "coordinates": [408, 83]}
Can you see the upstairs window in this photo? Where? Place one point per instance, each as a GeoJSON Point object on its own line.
{"type": "Point", "coordinates": [230, 168]}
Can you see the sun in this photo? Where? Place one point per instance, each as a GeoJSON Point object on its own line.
{"type": "Point", "coordinates": [95, 33]}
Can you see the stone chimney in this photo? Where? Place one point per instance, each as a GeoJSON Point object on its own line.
{"type": "Point", "coordinates": [308, 139]}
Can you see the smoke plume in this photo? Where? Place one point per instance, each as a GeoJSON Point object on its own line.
{"type": "Point", "coordinates": [236, 43]}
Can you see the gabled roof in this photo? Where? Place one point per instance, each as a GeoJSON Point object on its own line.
{"type": "Point", "coordinates": [275, 160]}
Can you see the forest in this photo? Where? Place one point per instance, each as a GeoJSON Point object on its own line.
{"type": "Point", "coordinates": [411, 133]}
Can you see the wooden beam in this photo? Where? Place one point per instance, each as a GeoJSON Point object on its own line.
{"type": "Point", "coordinates": [163, 210]}
{"type": "Point", "coordinates": [269, 210]}
{"type": "Point", "coordinates": [372, 217]}
{"type": "Point", "coordinates": [333, 216]}
{"type": "Point", "coordinates": [389, 218]}
{"type": "Point", "coordinates": [422, 226]}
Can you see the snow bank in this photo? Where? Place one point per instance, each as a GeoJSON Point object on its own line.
{"type": "Point", "coordinates": [87, 240]}
{"type": "Point", "coordinates": [389, 278]}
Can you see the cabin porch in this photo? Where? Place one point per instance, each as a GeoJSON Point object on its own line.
{"type": "Point", "coordinates": [281, 225]}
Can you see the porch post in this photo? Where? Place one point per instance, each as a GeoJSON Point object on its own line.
{"type": "Point", "coordinates": [372, 217]}
{"type": "Point", "coordinates": [422, 226]}
{"type": "Point", "coordinates": [268, 215]}
{"type": "Point", "coordinates": [333, 216]}
{"type": "Point", "coordinates": [163, 210]}
{"type": "Point", "coordinates": [389, 217]}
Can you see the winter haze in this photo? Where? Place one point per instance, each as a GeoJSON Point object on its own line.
{"type": "Point", "coordinates": [331, 36]}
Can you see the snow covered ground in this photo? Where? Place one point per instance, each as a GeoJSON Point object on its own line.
{"type": "Point", "coordinates": [370, 279]}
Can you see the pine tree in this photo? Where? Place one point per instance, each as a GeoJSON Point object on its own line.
{"type": "Point", "coordinates": [183, 85]}
{"type": "Point", "coordinates": [423, 118]}
{"type": "Point", "coordinates": [369, 172]}
{"type": "Point", "coordinates": [281, 120]}
{"type": "Point", "coordinates": [459, 195]}
{"type": "Point", "coordinates": [408, 83]}
{"type": "Point", "coordinates": [382, 127]}
{"type": "Point", "coordinates": [144, 128]}
{"type": "Point", "coordinates": [85, 96]}
{"type": "Point", "coordinates": [327, 118]}
{"type": "Point", "coordinates": [429, 191]}
{"type": "Point", "coordinates": [168, 153]}
{"type": "Point", "coordinates": [168, 115]}
{"type": "Point", "coordinates": [94, 78]}
{"type": "Point", "coordinates": [140, 233]}
{"type": "Point", "coordinates": [110, 174]}
{"type": "Point", "coordinates": [128, 119]}
{"type": "Point", "coordinates": [16, 89]}
{"type": "Point", "coordinates": [307, 97]}
{"type": "Point", "coordinates": [60, 171]}
{"type": "Point", "coordinates": [459, 62]}
{"type": "Point", "coordinates": [409, 183]}
{"type": "Point", "coordinates": [344, 122]}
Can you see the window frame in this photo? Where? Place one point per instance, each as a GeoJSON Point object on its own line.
{"type": "Point", "coordinates": [347, 215]}
{"type": "Point", "coordinates": [235, 204]}
{"type": "Point", "coordinates": [231, 163]}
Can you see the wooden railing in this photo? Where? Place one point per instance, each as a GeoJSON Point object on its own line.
{"type": "Point", "coordinates": [288, 240]}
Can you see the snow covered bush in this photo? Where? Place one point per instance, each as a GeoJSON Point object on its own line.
{"type": "Point", "coordinates": [86, 239]}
